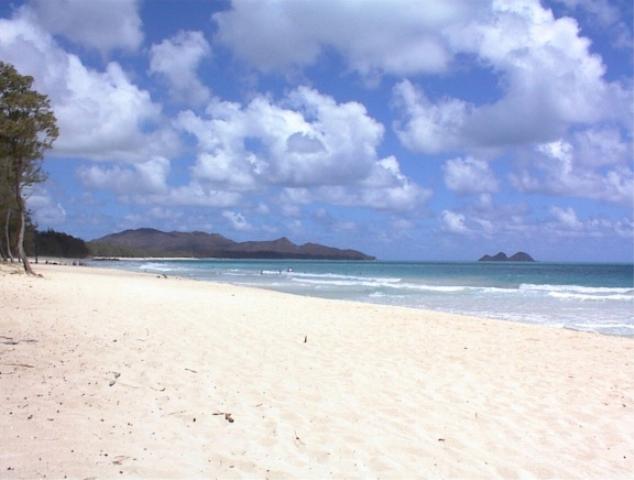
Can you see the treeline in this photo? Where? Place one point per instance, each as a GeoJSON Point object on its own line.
{"type": "Point", "coordinates": [57, 244]}
{"type": "Point", "coordinates": [37, 243]}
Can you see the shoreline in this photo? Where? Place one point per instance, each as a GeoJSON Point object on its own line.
{"type": "Point", "coordinates": [121, 371]}
{"type": "Point", "coordinates": [60, 261]}
{"type": "Point", "coordinates": [506, 316]}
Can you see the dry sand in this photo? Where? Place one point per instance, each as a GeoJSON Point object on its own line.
{"type": "Point", "coordinates": [109, 374]}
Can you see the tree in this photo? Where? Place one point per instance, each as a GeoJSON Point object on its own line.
{"type": "Point", "coordinates": [27, 129]}
{"type": "Point", "coordinates": [6, 205]}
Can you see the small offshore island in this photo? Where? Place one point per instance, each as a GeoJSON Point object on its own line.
{"type": "Point", "coordinates": [501, 257]}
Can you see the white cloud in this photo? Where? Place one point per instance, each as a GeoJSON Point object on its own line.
{"type": "Point", "coordinates": [194, 194]}
{"type": "Point", "coordinates": [605, 15]}
{"type": "Point", "coordinates": [147, 177]}
{"type": "Point", "coordinates": [100, 24]}
{"type": "Point", "coordinates": [566, 224]}
{"type": "Point", "coordinates": [454, 222]}
{"type": "Point", "coordinates": [556, 170]}
{"type": "Point", "coordinates": [46, 212]}
{"type": "Point", "coordinates": [304, 141]}
{"type": "Point", "coordinates": [601, 146]}
{"type": "Point", "coordinates": [549, 79]}
{"type": "Point", "coordinates": [400, 37]}
{"type": "Point", "coordinates": [426, 126]}
{"type": "Point", "coordinates": [101, 115]}
{"type": "Point", "coordinates": [291, 200]}
{"type": "Point", "coordinates": [567, 217]}
{"type": "Point", "coordinates": [469, 175]}
{"type": "Point", "coordinates": [509, 223]}
{"type": "Point", "coordinates": [237, 221]}
{"type": "Point", "coordinates": [177, 59]}
{"type": "Point", "coordinates": [385, 188]}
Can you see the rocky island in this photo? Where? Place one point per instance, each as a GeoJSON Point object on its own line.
{"type": "Point", "coordinates": [501, 257]}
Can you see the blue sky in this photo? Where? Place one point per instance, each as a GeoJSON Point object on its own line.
{"type": "Point", "coordinates": [406, 129]}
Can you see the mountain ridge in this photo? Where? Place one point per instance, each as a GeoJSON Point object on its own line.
{"type": "Point", "coordinates": [150, 242]}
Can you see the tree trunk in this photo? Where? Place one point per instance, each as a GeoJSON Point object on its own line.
{"type": "Point", "coordinates": [7, 237]}
{"type": "Point", "coordinates": [4, 256]}
{"type": "Point", "coordinates": [21, 254]}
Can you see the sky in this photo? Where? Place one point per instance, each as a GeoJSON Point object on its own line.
{"type": "Point", "coordinates": [410, 130]}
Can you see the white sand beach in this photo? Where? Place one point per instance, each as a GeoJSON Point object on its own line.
{"type": "Point", "coordinates": [110, 374]}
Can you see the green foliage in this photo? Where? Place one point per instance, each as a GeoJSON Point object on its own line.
{"type": "Point", "coordinates": [27, 129]}
{"type": "Point", "coordinates": [58, 244]}
{"type": "Point", "coordinates": [102, 249]}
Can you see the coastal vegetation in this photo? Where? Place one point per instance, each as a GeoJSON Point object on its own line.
{"type": "Point", "coordinates": [28, 128]}
{"type": "Point", "coordinates": [56, 244]}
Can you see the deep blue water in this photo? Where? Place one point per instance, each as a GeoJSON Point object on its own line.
{"type": "Point", "coordinates": [593, 297]}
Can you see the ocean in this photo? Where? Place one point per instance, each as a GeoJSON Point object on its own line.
{"type": "Point", "coordinates": [580, 296]}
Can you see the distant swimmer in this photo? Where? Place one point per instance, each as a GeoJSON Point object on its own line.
{"type": "Point", "coordinates": [289, 270]}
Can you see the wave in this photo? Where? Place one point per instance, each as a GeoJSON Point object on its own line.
{"type": "Point", "coordinates": [569, 292]}
{"type": "Point", "coordinates": [397, 285]}
{"type": "Point", "coordinates": [575, 289]}
{"type": "Point", "coordinates": [601, 326]}
{"type": "Point", "coordinates": [339, 276]}
{"type": "Point", "coordinates": [586, 296]}
{"type": "Point", "coordinates": [392, 286]}
{"type": "Point", "coordinates": [368, 282]}
{"type": "Point", "coordinates": [156, 267]}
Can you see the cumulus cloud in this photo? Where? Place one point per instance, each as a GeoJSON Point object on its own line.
{"type": "Point", "coordinates": [469, 175]}
{"type": "Point", "coordinates": [305, 141]}
{"type": "Point", "coordinates": [565, 223]}
{"type": "Point", "coordinates": [512, 223]}
{"type": "Point", "coordinates": [556, 170]}
{"type": "Point", "coordinates": [398, 37]}
{"type": "Point", "coordinates": [177, 59]}
{"type": "Point", "coordinates": [605, 15]}
{"type": "Point", "coordinates": [194, 194]}
{"type": "Point", "coordinates": [601, 146]}
{"type": "Point", "coordinates": [454, 222]}
{"type": "Point", "coordinates": [567, 217]}
{"type": "Point", "coordinates": [237, 221]}
{"type": "Point", "coordinates": [101, 114]}
{"type": "Point", "coordinates": [140, 178]}
{"type": "Point", "coordinates": [386, 188]}
{"type": "Point", "coordinates": [46, 212]}
{"type": "Point", "coordinates": [549, 78]}
{"type": "Point", "coordinates": [146, 183]}
{"type": "Point", "coordinates": [99, 24]}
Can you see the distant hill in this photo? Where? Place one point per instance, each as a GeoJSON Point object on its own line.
{"type": "Point", "coordinates": [501, 257]}
{"type": "Point", "coordinates": [148, 242]}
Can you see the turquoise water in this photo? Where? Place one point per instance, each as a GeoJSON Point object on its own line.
{"type": "Point", "coordinates": [591, 297]}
